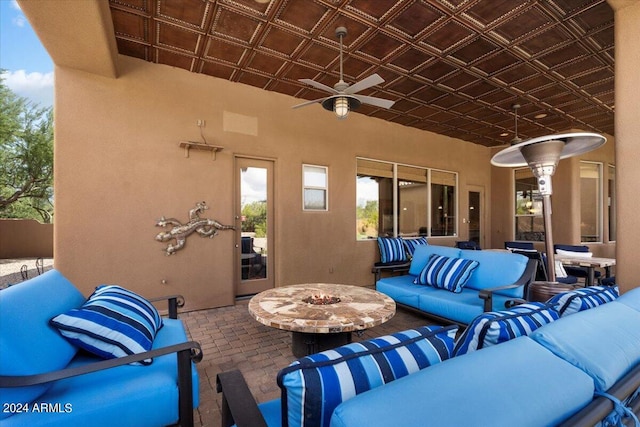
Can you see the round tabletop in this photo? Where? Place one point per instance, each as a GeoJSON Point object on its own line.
{"type": "Point", "coordinates": [287, 308]}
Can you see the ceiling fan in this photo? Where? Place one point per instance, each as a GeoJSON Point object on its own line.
{"type": "Point", "coordinates": [343, 96]}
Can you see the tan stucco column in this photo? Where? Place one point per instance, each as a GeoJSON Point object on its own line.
{"type": "Point", "coordinates": [627, 134]}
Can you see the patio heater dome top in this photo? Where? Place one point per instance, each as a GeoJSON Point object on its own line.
{"type": "Point", "coordinates": [573, 144]}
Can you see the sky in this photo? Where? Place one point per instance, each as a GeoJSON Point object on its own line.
{"type": "Point", "coordinates": [27, 67]}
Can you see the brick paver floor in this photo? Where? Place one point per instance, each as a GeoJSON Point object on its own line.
{"type": "Point", "coordinates": [232, 339]}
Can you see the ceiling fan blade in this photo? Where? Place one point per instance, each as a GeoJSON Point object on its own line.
{"type": "Point", "coordinates": [372, 80]}
{"type": "Point", "coordinates": [304, 104]}
{"type": "Point", "coordinates": [318, 85]}
{"type": "Point", "coordinates": [371, 100]}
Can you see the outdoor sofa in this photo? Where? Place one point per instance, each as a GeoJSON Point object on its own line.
{"type": "Point", "coordinates": [572, 361]}
{"type": "Point", "coordinates": [46, 380]}
{"type": "Point", "coordinates": [490, 280]}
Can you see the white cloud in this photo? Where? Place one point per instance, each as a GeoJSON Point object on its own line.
{"type": "Point", "coordinates": [37, 87]}
{"type": "Point", "coordinates": [19, 21]}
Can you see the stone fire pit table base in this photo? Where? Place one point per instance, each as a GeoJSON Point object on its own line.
{"type": "Point", "coordinates": [321, 316]}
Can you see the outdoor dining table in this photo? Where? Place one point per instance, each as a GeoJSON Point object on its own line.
{"type": "Point", "coordinates": [591, 263]}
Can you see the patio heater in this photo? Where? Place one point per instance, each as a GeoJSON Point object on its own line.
{"type": "Point", "coordinates": [542, 155]}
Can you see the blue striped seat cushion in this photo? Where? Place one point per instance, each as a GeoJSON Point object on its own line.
{"type": "Point", "coordinates": [391, 249]}
{"type": "Point", "coordinates": [412, 244]}
{"type": "Point", "coordinates": [446, 273]}
{"type": "Point", "coordinates": [583, 299]}
{"type": "Point", "coordinates": [113, 322]}
{"type": "Point", "coordinates": [495, 327]}
{"type": "Point", "coordinates": [312, 387]}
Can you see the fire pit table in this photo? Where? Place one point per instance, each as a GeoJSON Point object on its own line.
{"type": "Point", "coordinates": [321, 316]}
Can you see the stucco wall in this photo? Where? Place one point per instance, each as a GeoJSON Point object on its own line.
{"type": "Point", "coordinates": [119, 169]}
{"type": "Point", "coordinates": [25, 238]}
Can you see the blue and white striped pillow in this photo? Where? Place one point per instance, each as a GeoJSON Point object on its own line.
{"type": "Point", "coordinates": [312, 387]}
{"type": "Point", "coordinates": [583, 299]}
{"type": "Point", "coordinates": [411, 244]}
{"type": "Point", "coordinates": [446, 273]}
{"type": "Point", "coordinates": [495, 327]}
{"type": "Point", "coordinates": [113, 322]}
{"type": "Point", "coordinates": [391, 249]}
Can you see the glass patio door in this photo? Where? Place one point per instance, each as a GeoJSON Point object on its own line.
{"type": "Point", "coordinates": [474, 217]}
{"type": "Point", "coordinates": [254, 226]}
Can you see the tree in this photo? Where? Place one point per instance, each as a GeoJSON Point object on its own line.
{"type": "Point", "coordinates": [255, 218]}
{"type": "Point", "coordinates": [26, 157]}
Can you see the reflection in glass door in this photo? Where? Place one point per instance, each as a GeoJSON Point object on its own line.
{"type": "Point", "coordinates": [474, 220]}
{"type": "Point", "coordinates": [254, 226]}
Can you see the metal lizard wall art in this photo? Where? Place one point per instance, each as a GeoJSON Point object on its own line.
{"type": "Point", "coordinates": [204, 227]}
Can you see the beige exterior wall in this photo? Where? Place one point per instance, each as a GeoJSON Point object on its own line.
{"type": "Point", "coordinates": [119, 169]}
{"type": "Point", "coordinates": [627, 122]}
{"type": "Point", "coordinates": [25, 238]}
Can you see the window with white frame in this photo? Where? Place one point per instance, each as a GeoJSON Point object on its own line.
{"type": "Point", "coordinates": [529, 222]}
{"type": "Point", "coordinates": [590, 202]}
{"type": "Point", "coordinates": [401, 200]}
{"type": "Point", "coordinates": [315, 188]}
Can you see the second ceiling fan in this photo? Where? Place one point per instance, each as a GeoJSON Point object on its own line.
{"type": "Point", "coordinates": [343, 96]}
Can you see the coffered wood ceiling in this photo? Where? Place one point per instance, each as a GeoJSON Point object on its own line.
{"type": "Point", "coordinates": [454, 67]}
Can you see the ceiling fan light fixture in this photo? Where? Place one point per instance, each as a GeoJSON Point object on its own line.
{"type": "Point", "coordinates": [341, 107]}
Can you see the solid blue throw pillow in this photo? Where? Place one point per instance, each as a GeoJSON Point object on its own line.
{"type": "Point", "coordinates": [495, 327]}
{"type": "Point", "coordinates": [313, 386]}
{"type": "Point", "coordinates": [446, 273]}
{"type": "Point", "coordinates": [113, 322]}
{"type": "Point", "coordinates": [391, 249]}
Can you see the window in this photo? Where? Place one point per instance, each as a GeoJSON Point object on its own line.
{"type": "Point", "coordinates": [529, 221]}
{"type": "Point", "coordinates": [314, 188]}
{"type": "Point", "coordinates": [590, 202]}
{"type": "Point", "coordinates": [394, 199]}
{"type": "Point", "coordinates": [612, 203]}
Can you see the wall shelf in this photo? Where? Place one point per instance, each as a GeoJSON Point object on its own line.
{"type": "Point", "coordinates": [188, 145]}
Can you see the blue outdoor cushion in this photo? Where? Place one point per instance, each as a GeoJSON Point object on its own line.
{"type": "Point", "coordinates": [114, 322]}
{"type": "Point", "coordinates": [515, 384]}
{"type": "Point", "coordinates": [28, 345]}
{"type": "Point", "coordinates": [447, 273]}
{"type": "Point", "coordinates": [391, 249]}
{"type": "Point", "coordinates": [412, 244]}
{"type": "Point", "coordinates": [495, 327]}
{"type": "Point", "coordinates": [312, 387]}
{"type": "Point", "coordinates": [124, 396]}
{"type": "Point", "coordinates": [609, 349]}
{"type": "Point", "coordinates": [583, 299]}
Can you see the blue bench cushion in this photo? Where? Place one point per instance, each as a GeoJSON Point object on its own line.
{"type": "Point", "coordinates": [497, 269]}
{"type": "Point", "coordinates": [540, 390]}
{"type": "Point", "coordinates": [583, 299]}
{"type": "Point", "coordinates": [496, 327]}
{"type": "Point", "coordinates": [391, 249]}
{"type": "Point", "coordinates": [447, 273]}
{"type": "Point", "coordinates": [411, 244]}
{"type": "Point", "coordinates": [403, 290]}
{"type": "Point", "coordinates": [313, 386]}
{"type": "Point", "coordinates": [609, 349]}
{"type": "Point", "coordinates": [28, 345]}
{"type": "Point", "coordinates": [114, 322]}
{"type": "Point", "coordinates": [631, 298]}
{"type": "Point", "coordinates": [129, 395]}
